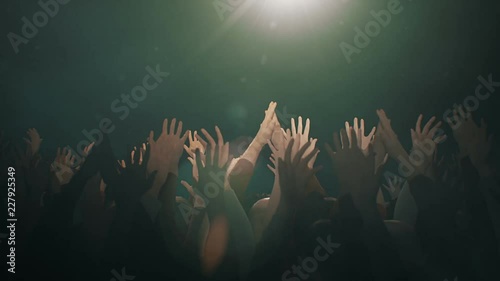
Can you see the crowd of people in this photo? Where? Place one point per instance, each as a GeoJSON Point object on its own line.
{"type": "Point", "coordinates": [102, 218]}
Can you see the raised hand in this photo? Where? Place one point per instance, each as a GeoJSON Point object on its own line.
{"type": "Point", "coordinates": [87, 149]}
{"type": "Point", "coordinates": [33, 140]}
{"type": "Point", "coordinates": [267, 126]}
{"type": "Point", "coordinates": [136, 158]}
{"type": "Point", "coordinates": [194, 143]}
{"type": "Point", "coordinates": [197, 142]}
{"type": "Point", "coordinates": [394, 186]}
{"type": "Point", "coordinates": [389, 138]}
{"type": "Point", "coordinates": [424, 141]}
{"type": "Point", "coordinates": [356, 172]}
{"type": "Point", "coordinates": [62, 169]}
{"type": "Point", "coordinates": [220, 148]}
{"type": "Point", "coordinates": [359, 129]}
{"type": "Point", "coordinates": [134, 180]}
{"type": "Point", "coordinates": [166, 151]}
{"type": "Point", "coordinates": [212, 175]}
{"type": "Point", "coordinates": [295, 174]}
{"type": "Point", "coordinates": [301, 137]}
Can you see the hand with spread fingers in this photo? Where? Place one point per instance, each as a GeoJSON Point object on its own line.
{"type": "Point", "coordinates": [62, 169]}
{"type": "Point", "coordinates": [295, 174]}
{"type": "Point", "coordinates": [166, 151]}
{"type": "Point", "coordinates": [359, 131]}
{"type": "Point", "coordinates": [356, 172]}
{"type": "Point", "coordinates": [134, 179]}
{"type": "Point", "coordinates": [300, 134]}
{"type": "Point", "coordinates": [425, 143]}
{"type": "Point", "coordinates": [219, 149]}
{"type": "Point", "coordinates": [194, 143]}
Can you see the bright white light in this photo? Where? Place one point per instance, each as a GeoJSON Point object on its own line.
{"type": "Point", "coordinates": [289, 6]}
{"type": "Point", "coordinates": [286, 4]}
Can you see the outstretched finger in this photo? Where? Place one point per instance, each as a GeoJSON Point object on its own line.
{"type": "Point", "coordinates": [300, 154]}
{"type": "Point", "coordinates": [164, 126]}
{"type": "Point", "coordinates": [428, 125]}
{"type": "Point", "coordinates": [384, 121]}
{"type": "Point", "coordinates": [307, 158]}
{"type": "Point", "coordinates": [200, 139]}
{"type": "Point", "coordinates": [356, 125]}
{"type": "Point", "coordinates": [299, 126]}
{"type": "Point", "coordinates": [172, 126]}
{"type": "Point", "coordinates": [179, 129]}
{"type": "Point", "coordinates": [197, 158]}
{"type": "Point", "coordinates": [347, 129]}
{"type": "Point", "coordinates": [270, 111]}
{"type": "Point", "coordinates": [434, 129]}
{"type": "Point", "coordinates": [307, 128]}
{"type": "Point", "coordinates": [211, 142]}
{"type": "Point", "coordinates": [418, 126]}
{"type": "Point", "coordinates": [220, 139]}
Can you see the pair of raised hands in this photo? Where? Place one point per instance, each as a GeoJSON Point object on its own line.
{"type": "Point", "coordinates": [355, 167]}
{"type": "Point", "coordinates": [424, 143]}
{"type": "Point", "coordinates": [280, 140]}
{"type": "Point", "coordinates": [293, 156]}
{"type": "Point", "coordinates": [210, 160]}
